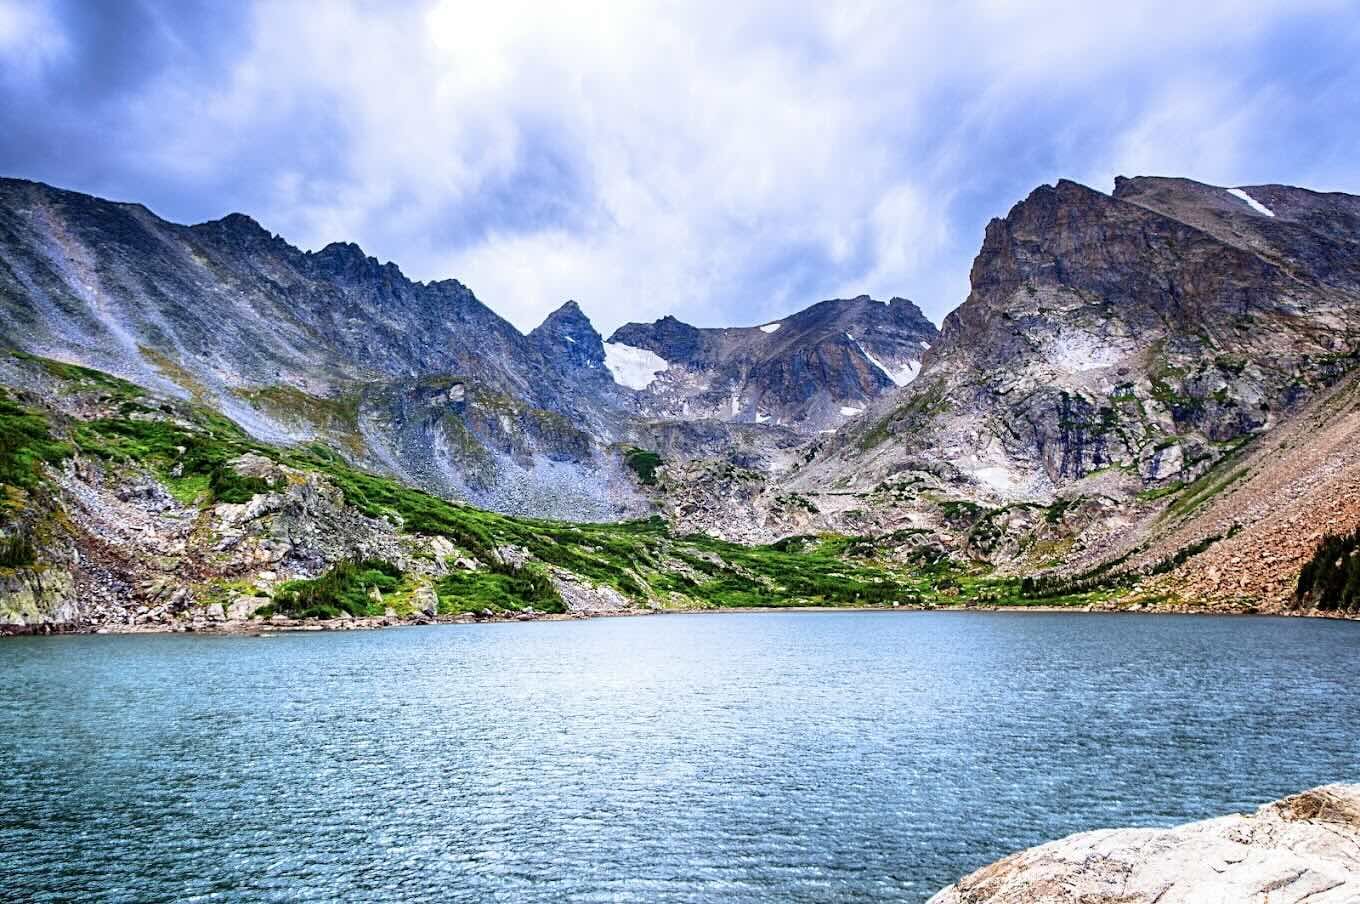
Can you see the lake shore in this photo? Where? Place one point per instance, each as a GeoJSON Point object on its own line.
{"type": "Point", "coordinates": [282, 624]}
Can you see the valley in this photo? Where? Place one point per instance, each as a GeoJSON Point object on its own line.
{"type": "Point", "coordinates": [1149, 400]}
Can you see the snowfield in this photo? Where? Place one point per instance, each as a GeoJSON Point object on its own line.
{"type": "Point", "coordinates": [1251, 202]}
{"type": "Point", "coordinates": [635, 368]}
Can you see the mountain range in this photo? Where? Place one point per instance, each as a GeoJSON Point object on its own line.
{"type": "Point", "coordinates": [1091, 418]}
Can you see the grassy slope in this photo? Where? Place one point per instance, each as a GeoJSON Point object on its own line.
{"type": "Point", "coordinates": [188, 448]}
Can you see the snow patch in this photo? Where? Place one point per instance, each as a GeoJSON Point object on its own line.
{"type": "Point", "coordinates": [997, 478]}
{"type": "Point", "coordinates": [569, 339]}
{"type": "Point", "coordinates": [1251, 202]}
{"type": "Point", "coordinates": [899, 375]}
{"type": "Point", "coordinates": [761, 417]}
{"type": "Point", "coordinates": [770, 327]}
{"type": "Point", "coordinates": [635, 368]}
{"type": "Point", "coordinates": [851, 410]}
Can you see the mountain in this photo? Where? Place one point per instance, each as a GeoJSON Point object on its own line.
{"type": "Point", "coordinates": [1114, 352]}
{"type": "Point", "coordinates": [810, 371]}
{"type": "Point", "coordinates": [418, 380]}
{"type": "Point", "coordinates": [1149, 397]}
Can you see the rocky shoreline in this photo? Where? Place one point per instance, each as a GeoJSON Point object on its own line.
{"type": "Point", "coordinates": [283, 624]}
{"type": "Point", "coordinates": [1301, 848]}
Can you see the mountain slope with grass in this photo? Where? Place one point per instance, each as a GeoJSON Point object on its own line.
{"type": "Point", "coordinates": [1148, 398]}
{"type": "Point", "coordinates": [125, 509]}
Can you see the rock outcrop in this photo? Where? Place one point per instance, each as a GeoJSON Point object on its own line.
{"type": "Point", "coordinates": [810, 371]}
{"type": "Point", "coordinates": [1302, 848]}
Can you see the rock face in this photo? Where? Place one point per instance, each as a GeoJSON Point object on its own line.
{"type": "Point", "coordinates": [1114, 350]}
{"type": "Point", "coordinates": [810, 371]}
{"type": "Point", "coordinates": [1302, 848]}
{"type": "Point", "coordinates": [420, 380]}
{"type": "Point", "coordinates": [1139, 331]}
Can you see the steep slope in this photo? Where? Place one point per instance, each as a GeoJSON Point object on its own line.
{"type": "Point", "coordinates": [299, 345]}
{"type": "Point", "coordinates": [419, 380]}
{"type": "Point", "coordinates": [122, 509]}
{"type": "Point", "coordinates": [1106, 339]}
{"type": "Point", "coordinates": [810, 371]}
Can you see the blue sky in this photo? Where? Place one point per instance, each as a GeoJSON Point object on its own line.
{"type": "Point", "coordinates": [727, 162]}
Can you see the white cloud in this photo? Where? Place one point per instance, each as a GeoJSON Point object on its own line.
{"type": "Point", "coordinates": [724, 162]}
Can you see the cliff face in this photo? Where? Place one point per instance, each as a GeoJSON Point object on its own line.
{"type": "Point", "coordinates": [1103, 333]}
{"type": "Point", "coordinates": [813, 370]}
{"type": "Point", "coordinates": [1298, 849]}
{"type": "Point", "coordinates": [1110, 346]}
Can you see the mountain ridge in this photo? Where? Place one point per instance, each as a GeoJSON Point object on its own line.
{"type": "Point", "coordinates": [1086, 420]}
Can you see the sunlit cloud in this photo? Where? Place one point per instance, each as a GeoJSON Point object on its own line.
{"type": "Point", "coordinates": [724, 162]}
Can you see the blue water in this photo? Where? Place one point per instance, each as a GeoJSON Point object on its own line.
{"type": "Point", "coordinates": [790, 757]}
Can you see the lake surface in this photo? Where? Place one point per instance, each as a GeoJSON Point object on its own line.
{"type": "Point", "coordinates": [790, 756]}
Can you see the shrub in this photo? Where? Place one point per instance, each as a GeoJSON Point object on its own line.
{"type": "Point", "coordinates": [344, 588]}
{"type": "Point", "coordinates": [17, 551]}
{"type": "Point", "coordinates": [1331, 578]}
{"type": "Point", "coordinates": [644, 465]}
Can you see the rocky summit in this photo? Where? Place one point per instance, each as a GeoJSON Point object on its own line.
{"type": "Point", "coordinates": [812, 370]}
{"type": "Point", "coordinates": [1148, 398]}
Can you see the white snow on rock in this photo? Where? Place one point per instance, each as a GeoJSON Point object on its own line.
{"type": "Point", "coordinates": [997, 478]}
{"type": "Point", "coordinates": [899, 375]}
{"type": "Point", "coordinates": [635, 368]}
{"type": "Point", "coordinates": [1251, 202]}
{"type": "Point", "coordinates": [770, 327]}
{"type": "Point", "coordinates": [761, 417]}
{"type": "Point", "coordinates": [851, 410]}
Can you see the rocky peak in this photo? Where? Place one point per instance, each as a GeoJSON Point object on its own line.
{"type": "Point", "coordinates": [568, 336]}
{"type": "Point", "coordinates": [235, 230]}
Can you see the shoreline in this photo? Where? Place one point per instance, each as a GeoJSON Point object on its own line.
{"type": "Point", "coordinates": [282, 625]}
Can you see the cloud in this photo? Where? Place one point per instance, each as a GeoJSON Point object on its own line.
{"type": "Point", "coordinates": [723, 162]}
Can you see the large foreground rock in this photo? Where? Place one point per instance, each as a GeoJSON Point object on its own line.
{"type": "Point", "coordinates": [1302, 848]}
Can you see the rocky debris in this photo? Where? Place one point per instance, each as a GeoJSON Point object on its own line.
{"type": "Point", "coordinates": [1276, 502]}
{"type": "Point", "coordinates": [1302, 848]}
{"type": "Point", "coordinates": [585, 598]}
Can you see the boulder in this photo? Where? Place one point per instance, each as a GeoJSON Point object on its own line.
{"type": "Point", "coordinates": [242, 607]}
{"type": "Point", "coordinates": [1302, 848]}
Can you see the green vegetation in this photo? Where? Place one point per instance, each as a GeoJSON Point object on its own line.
{"type": "Point", "coordinates": [190, 462]}
{"type": "Point", "coordinates": [345, 589]}
{"type": "Point", "coordinates": [16, 551]}
{"type": "Point", "coordinates": [510, 588]}
{"type": "Point", "coordinates": [1197, 494]}
{"type": "Point", "coordinates": [339, 414]}
{"type": "Point", "coordinates": [25, 446]}
{"type": "Point", "coordinates": [1331, 579]}
{"type": "Point", "coordinates": [925, 404]}
{"type": "Point", "coordinates": [83, 378]}
{"type": "Point", "coordinates": [644, 465]}
{"type": "Point", "coordinates": [190, 448]}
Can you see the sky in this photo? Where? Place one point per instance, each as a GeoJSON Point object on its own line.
{"type": "Point", "coordinates": [727, 162]}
